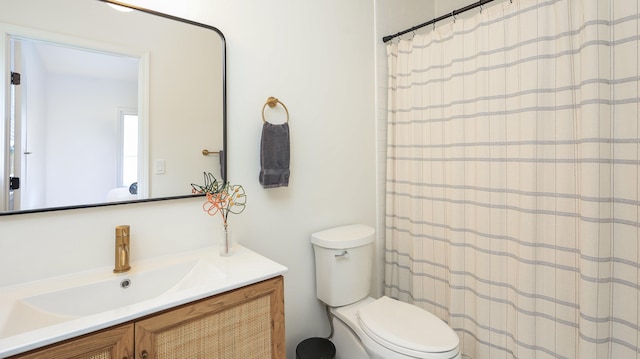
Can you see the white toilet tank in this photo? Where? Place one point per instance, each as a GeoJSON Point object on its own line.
{"type": "Point", "coordinates": [343, 263]}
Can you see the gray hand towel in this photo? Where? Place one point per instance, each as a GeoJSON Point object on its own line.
{"type": "Point", "coordinates": [274, 155]}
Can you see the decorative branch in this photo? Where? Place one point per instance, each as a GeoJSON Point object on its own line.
{"type": "Point", "coordinates": [222, 198]}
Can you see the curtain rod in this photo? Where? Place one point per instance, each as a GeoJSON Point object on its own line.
{"type": "Point", "coordinates": [446, 16]}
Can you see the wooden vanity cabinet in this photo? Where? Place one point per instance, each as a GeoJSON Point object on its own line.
{"type": "Point", "coordinates": [246, 323]}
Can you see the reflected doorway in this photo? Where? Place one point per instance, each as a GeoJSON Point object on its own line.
{"type": "Point", "coordinates": [69, 98]}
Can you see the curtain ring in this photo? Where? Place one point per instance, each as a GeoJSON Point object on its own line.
{"type": "Point", "coordinates": [453, 14]}
{"type": "Point", "coordinates": [481, 8]}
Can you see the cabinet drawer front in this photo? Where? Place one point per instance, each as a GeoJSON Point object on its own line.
{"type": "Point", "coordinates": [113, 343]}
{"type": "Point", "coordinates": [245, 323]}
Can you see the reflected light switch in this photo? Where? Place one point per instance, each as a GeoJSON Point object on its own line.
{"type": "Point", "coordinates": [158, 167]}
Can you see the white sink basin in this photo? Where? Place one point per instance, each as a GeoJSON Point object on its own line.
{"type": "Point", "coordinates": [101, 295]}
{"type": "Point", "coordinates": [117, 292]}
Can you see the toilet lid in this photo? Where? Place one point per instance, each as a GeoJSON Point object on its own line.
{"type": "Point", "coordinates": [394, 324]}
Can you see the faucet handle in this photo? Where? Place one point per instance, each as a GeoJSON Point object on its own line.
{"type": "Point", "coordinates": [122, 231]}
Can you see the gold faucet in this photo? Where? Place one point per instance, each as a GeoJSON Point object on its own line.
{"type": "Point", "coordinates": [122, 249]}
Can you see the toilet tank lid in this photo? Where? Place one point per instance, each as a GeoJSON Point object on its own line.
{"type": "Point", "coordinates": [350, 236]}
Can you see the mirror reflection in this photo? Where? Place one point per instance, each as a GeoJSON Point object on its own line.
{"type": "Point", "coordinates": [105, 106]}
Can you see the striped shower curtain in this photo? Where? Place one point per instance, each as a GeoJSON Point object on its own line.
{"type": "Point", "coordinates": [513, 178]}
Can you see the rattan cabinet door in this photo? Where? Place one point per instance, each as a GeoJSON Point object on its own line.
{"type": "Point", "coordinates": [112, 343]}
{"type": "Point", "coordinates": [247, 323]}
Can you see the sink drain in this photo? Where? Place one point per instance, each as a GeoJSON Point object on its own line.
{"type": "Point", "coordinates": [125, 283]}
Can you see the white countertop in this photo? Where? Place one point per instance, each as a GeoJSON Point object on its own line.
{"type": "Point", "coordinates": [243, 268]}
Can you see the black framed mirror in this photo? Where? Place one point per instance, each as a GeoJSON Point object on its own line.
{"type": "Point", "coordinates": [110, 104]}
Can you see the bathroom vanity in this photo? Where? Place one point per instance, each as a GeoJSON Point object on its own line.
{"type": "Point", "coordinates": [244, 323]}
{"type": "Point", "coordinates": [218, 307]}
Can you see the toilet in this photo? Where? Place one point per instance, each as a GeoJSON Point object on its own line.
{"type": "Point", "coordinates": [364, 327]}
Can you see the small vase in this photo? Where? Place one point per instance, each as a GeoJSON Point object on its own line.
{"type": "Point", "coordinates": [226, 242]}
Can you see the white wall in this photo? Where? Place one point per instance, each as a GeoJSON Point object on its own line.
{"type": "Point", "coordinates": [92, 119]}
{"type": "Point", "coordinates": [318, 58]}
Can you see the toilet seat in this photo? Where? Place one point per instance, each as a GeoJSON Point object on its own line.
{"type": "Point", "coordinates": [407, 329]}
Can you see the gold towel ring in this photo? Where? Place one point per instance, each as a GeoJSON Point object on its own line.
{"type": "Point", "coordinates": [272, 102]}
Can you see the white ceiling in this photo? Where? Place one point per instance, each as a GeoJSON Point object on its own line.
{"type": "Point", "coordinates": [74, 61]}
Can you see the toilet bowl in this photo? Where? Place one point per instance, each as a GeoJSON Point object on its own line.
{"type": "Point", "coordinates": [368, 328]}
{"type": "Point", "coordinates": [384, 331]}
